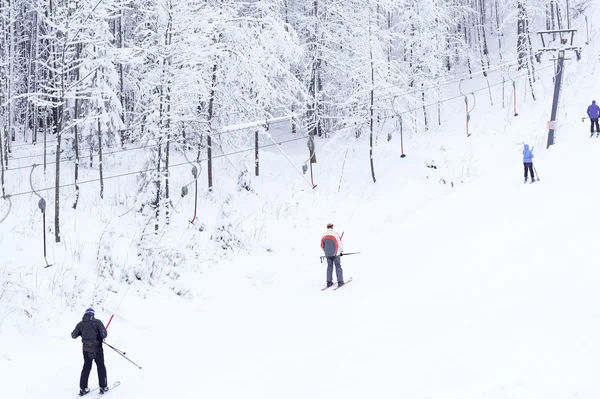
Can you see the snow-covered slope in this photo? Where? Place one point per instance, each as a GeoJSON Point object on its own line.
{"type": "Point", "coordinates": [470, 284]}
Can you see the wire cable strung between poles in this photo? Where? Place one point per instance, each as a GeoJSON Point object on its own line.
{"type": "Point", "coordinates": [447, 99]}
{"type": "Point", "coordinates": [179, 141]}
{"type": "Point", "coordinates": [269, 145]}
{"type": "Point", "coordinates": [151, 169]}
{"type": "Point", "coordinates": [436, 86]}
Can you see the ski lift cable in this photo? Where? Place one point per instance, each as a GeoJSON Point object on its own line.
{"type": "Point", "coordinates": [270, 145]}
{"type": "Point", "coordinates": [218, 132]}
{"type": "Point", "coordinates": [439, 85]}
{"type": "Point", "coordinates": [147, 170]}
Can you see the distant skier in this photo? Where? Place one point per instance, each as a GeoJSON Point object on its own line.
{"type": "Point", "coordinates": [92, 332]}
{"type": "Point", "coordinates": [528, 162]}
{"type": "Point", "coordinates": [593, 112]}
{"type": "Point", "coordinates": [332, 247]}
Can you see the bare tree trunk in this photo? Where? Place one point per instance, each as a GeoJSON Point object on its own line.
{"type": "Point", "coordinates": [315, 85]}
{"type": "Point", "coordinates": [124, 132]}
{"type": "Point", "coordinates": [168, 42]}
{"type": "Point", "coordinates": [424, 108]}
{"type": "Point", "coordinates": [552, 20]}
{"type": "Point", "coordinates": [2, 164]}
{"type": "Point", "coordinates": [6, 134]}
{"type": "Point", "coordinates": [499, 32]}
{"type": "Point", "coordinates": [167, 151]}
{"type": "Point", "coordinates": [157, 201]}
{"type": "Point", "coordinates": [45, 127]}
{"type": "Point", "coordinates": [58, 126]}
{"type": "Point", "coordinates": [32, 81]}
{"type": "Point", "coordinates": [3, 84]}
{"type": "Point", "coordinates": [211, 102]}
{"type": "Point", "coordinates": [100, 163]}
{"type": "Point", "coordinates": [11, 74]}
{"type": "Point", "coordinates": [468, 41]}
{"type": "Point", "coordinates": [389, 46]}
{"type": "Point", "coordinates": [90, 140]}
{"type": "Point", "coordinates": [531, 63]}
{"type": "Point", "coordinates": [36, 121]}
{"type": "Point", "coordinates": [480, 38]}
{"type": "Point", "coordinates": [486, 51]}
{"type": "Point", "coordinates": [521, 39]}
{"type": "Point", "coordinates": [372, 104]}
{"type": "Point", "coordinates": [76, 134]}
{"type": "Point", "coordinates": [448, 58]}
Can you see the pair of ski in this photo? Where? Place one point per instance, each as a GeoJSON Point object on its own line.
{"type": "Point", "coordinates": [101, 395]}
{"type": "Point", "coordinates": [597, 135]}
{"type": "Point", "coordinates": [337, 286]}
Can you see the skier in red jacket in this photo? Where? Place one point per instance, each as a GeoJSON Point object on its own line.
{"type": "Point", "coordinates": [332, 247]}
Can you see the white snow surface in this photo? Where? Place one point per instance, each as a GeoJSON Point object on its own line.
{"type": "Point", "coordinates": [481, 287]}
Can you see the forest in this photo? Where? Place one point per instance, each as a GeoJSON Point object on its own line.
{"type": "Point", "coordinates": [83, 78]}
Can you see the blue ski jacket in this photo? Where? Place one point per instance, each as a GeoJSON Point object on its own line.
{"type": "Point", "coordinates": [527, 154]}
{"type": "Point", "coordinates": [593, 111]}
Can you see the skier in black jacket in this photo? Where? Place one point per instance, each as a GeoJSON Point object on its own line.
{"type": "Point", "coordinates": [92, 332]}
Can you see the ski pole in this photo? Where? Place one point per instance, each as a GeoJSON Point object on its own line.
{"type": "Point", "coordinates": [121, 353]}
{"type": "Point", "coordinates": [536, 173]}
{"type": "Point", "coordinates": [344, 254]}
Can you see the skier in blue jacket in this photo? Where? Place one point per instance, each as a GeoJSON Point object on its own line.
{"type": "Point", "coordinates": [528, 162]}
{"type": "Point", "coordinates": [593, 112]}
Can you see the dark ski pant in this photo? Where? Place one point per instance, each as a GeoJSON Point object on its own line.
{"type": "Point", "coordinates": [594, 122]}
{"type": "Point", "coordinates": [331, 260]}
{"type": "Point", "coordinates": [528, 166]}
{"type": "Point", "coordinates": [88, 357]}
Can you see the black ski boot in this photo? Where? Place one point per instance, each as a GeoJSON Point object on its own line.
{"type": "Point", "coordinates": [340, 283]}
{"type": "Point", "coordinates": [103, 390]}
{"type": "Point", "coordinates": [329, 283]}
{"type": "Point", "coordinates": [83, 392]}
